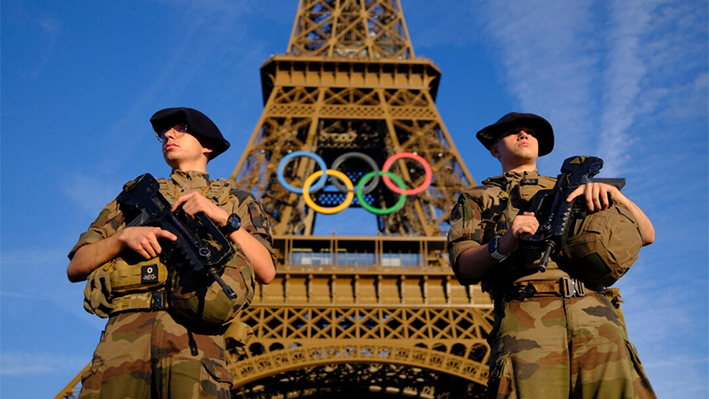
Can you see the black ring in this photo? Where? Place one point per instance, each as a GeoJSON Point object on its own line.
{"type": "Point", "coordinates": [366, 158]}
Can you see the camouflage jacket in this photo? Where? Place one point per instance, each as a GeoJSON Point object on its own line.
{"type": "Point", "coordinates": [244, 204]}
{"type": "Point", "coordinates": [485, 211]}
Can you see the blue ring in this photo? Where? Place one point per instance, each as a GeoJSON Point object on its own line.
{"type": "Point", "coordinates": [282, 165]}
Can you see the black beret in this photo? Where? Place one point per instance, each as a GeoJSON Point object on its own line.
{"type": "Point", "coordinates": [542, 130]}
{"type": "Point", "coordinates": [198, 125]}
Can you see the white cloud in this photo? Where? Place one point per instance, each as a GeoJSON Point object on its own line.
{"type": "Point", "coordinates": [50, 25]}
{"type": "Point", "coordinates": [666, 324]}
{"type": "Point", "coordinates": [90, 192]}
{"type": "Point", "coordinates": [51, 30]}
{"type": "Point", "coordinates": [550, 61]}
{"type": "Point", "coordinates": [627, 66]}
{"type": "Point", "coordinates": [681, 376]}
{"type": "Point", "coordinates": [27, 364]}
{"type": "Point", "coordinates": [594, 71]}
{"type": "Point", "coordinates": [46, 269]}
{"type": "Point", "coordinates": [22, 258]}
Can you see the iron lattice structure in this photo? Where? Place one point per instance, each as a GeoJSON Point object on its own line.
{"type": "Point", "coordinates": [381, 316]}
{"type": "Point", "coordinates": [348, 316]}
{"type": "Point", "coordinates": [320, 331]}
{"type": "Point", "coordinates": [363, 315]}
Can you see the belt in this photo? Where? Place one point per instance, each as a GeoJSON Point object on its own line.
{"type": "Point", "coordinates": [564, 287]}
{"type": "Point", "coordinates": [151, 300]}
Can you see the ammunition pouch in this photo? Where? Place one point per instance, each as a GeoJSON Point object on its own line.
{"type": "Point", "coordinates": [602, 246]}
{"type": "Point", "coordinates": [237, 335]}
{"type": "Point", "coordinates": [129, 274]}
{"type": "Point", "coordinates": [97, 293]}
{"type": "Point", "coordinates": [125, 283]}
{"type": "Point", "coordinates": [118, 286]}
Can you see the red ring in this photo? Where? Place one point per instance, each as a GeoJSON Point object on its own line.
{"type": "Point", "coordinates": [426, 168]}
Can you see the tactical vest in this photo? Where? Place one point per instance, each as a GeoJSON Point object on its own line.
{"type": "Point", "coordinates": [600, 249]}
{"type": "Point", "coordinates": [508, 199]}
{"type": "Point", "coordinates": [131, 283]}
{"type": "Point", "coordinates": [500, 201]}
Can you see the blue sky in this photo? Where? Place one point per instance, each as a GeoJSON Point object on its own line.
{"type": "Point", "coordinates": [625, 80]}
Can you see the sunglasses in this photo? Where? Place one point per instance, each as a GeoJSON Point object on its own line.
{"type": "Point", "coordinates": [180, 131]}
{"type": "Point", "coordinates": [519, 129]}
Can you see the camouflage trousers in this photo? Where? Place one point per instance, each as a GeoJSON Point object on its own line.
{"type": "Point", "coordinates": [551, 347]}
{"type": "Point", "coordinates": [148, 355]}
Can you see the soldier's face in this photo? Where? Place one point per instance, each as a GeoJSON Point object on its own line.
{"type": "Point", "coordinates": [184, 152]}
{"type": "Point", "coordinates": [517, 143]}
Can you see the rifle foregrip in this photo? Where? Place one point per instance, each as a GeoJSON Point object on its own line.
{"type": "Point", "coordinates": [544, 262]}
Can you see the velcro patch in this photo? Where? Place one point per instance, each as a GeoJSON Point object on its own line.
{"type": "Point", "coordinates": [149, 274]}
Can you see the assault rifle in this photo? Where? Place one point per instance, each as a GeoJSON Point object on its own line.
{"type": "Point", "coordinates": [555, 215]}
{"type": "Point", "coordinates": [200, 244]}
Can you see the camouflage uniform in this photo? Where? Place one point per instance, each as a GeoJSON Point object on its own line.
{"type": "Point", "coordinates": [148, 354]}
{"type": "Point", "coordinates": [548, 341]}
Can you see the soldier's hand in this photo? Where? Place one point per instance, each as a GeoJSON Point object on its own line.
{"type": "Point", "coordinates": [596, 195]}
{"type": "Point", "coordinates": [194, 203]}
{"type": "Point", "coordinates": [144, 240]}
{"type": "Point", "coordinates": [526, 223]}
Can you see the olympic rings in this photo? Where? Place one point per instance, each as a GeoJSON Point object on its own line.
{"type": "Point", "coordinates": [360, 197]}
{"type": "Point", "coordinates": [333, 210]}
{"type": "Point", "coordinates": [398, 186]}
{"type": "Point", "coordinates": [426, 168]}
{"type": "Point", "coordinates": [287, 158]}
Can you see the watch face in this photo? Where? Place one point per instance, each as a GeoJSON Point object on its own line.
{"type": "Point", "coordinates": [492, 245]}
{"type": "Point", "coordinates": [234, 221]}
{"type": "Point", "coordinates": [492, 249]}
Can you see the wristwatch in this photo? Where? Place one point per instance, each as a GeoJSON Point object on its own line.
{"type": "Point", "coordinates": [492, 249]}
{"type": "Point", "coordinates": [233, 223]}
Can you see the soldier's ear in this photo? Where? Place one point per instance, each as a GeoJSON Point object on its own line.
{"type": "Point", "coordinates": [207, 148]}
{"type": "Point", "coordinates": [494, 151]}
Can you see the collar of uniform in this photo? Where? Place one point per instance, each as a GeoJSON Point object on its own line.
{"type": "Point", "coordinates": [190, 180]}
{"type": "Point", "coordinates": [511, 176]}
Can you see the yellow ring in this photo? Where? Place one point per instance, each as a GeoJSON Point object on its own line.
{"type": "Point", "coordinates": [329, 211]}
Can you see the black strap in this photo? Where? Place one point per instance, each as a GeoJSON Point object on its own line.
{"type": "Point", "coordinates": [193, 344]}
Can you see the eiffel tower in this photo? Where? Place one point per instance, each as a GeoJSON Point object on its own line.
{"type": "Point", "coordinates": [377, 315]}
{"type": "Point", "coordinates": [380, 315]}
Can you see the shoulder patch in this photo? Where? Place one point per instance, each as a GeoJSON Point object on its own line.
{"type": "Point", "coordinates": [241, 195]}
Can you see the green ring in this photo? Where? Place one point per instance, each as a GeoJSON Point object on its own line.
{"type": "Point", "coordinates": [360, 197]}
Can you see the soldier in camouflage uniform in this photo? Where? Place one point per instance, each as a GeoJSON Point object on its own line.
{"type": "Point", "coordinates": [146, 350]}
{"type": "Point", "coordinates": [550, 339]}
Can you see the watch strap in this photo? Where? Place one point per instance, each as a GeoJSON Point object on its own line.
{"type": "Point", "coordinates": [233, 223]}
{"type": "Point", "coordinates": [492, 249]}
